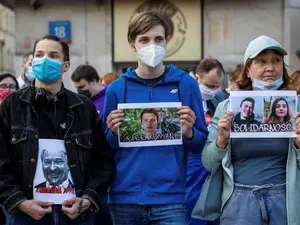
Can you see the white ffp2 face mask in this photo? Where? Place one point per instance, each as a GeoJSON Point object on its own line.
{"type": "Point", "coordinates": [206, 92]}
{"type": "Point", "coordinates": [151, 55]}
{"type": "Point", "coordinates": [264, 86]}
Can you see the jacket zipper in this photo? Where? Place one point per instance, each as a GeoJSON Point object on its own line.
{"type": "Point", "coordinates": [151, 92]}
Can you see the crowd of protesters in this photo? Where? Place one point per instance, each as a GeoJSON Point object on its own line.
{"type": "Point", "coordinates": [72, 140]}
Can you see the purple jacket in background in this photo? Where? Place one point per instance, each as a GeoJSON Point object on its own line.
{"type": "Point", "coordinates": [98, 101]}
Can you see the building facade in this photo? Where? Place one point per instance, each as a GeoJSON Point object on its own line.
{"type": "Point", "coordinates": [7, 39]}
{"type": "Point", "coordinates": [203, 28]}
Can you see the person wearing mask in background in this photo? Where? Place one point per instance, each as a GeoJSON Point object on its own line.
{"type": "Point", "coordinates": [27, 75]}
{"type": "Point", "coordinates": [8, 84]}
{"type": "Point", "coordinates": [210, 75]}
{"type": "Point", "coordinates": [144, 191]}
{"type": "Point", "coordinates": [261, 176]}
{"type": "Point", "coordinates": [108, 78]}
{"type": "Point", "coordinates": [52, 114]}
{"type": "Point", "coordinates": [87, 82]}
{"type": "Point", "coordinates": [221, 95]}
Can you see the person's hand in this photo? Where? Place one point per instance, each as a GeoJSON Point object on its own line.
{"type": "Point", "coordinates": [187, 118]}
{"type": "Point", "coordinates": [114, 120]}
{"type": "Point", "coordinates": [74, 207]}
{"type": "Point", "coordinates": [297, 139]}
{"type": "Point", "coordinates": [35, 209]}
{"type": "Point", "coordinates": [224, 126]}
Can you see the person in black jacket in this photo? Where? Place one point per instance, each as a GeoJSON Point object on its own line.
{"type": "Point", "coordinates": [55, 119]}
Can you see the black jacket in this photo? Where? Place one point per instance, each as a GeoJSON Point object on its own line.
{"type": "Point", "coordinates": [238, 120]}
{"type": "Point", "coordinates": [211, 107]}
{"type": "Point", "coordinates": [90, 160]}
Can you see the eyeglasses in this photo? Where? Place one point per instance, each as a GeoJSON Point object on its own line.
{"type": "Point", "coordinates": [8, 86]}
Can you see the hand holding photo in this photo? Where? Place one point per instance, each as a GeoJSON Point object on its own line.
{"type": "Point", "coordinates": [150, 124]}
{"type": "Point", "coordinates": [263, 113]}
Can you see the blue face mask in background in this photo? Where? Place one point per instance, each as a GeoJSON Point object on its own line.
{"type": "Point", "coordinates": [46, 70]}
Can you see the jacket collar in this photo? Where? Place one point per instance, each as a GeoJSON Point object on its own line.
{"type": "Point", "coordinates": [173, 74]}
{"type": "Point", "coordinates": [73, 99]}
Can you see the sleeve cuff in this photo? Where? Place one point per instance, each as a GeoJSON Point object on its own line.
{"type": "Point", "coordinates": [94, 198]}
{"type": "Point", "coordinates": [219, 153]}
{"type": "Point", "coordinates": [113, 139]}
{"type": "Point", "coordinates": [191, 141]}
{"type": "Point", "coordinates": [14, 200]}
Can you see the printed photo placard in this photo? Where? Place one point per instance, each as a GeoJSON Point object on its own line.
{"type": "Point", "coordinates": [150, 124]}
{"type": "Point", "coordinates": [263, 114]}
{"type": "Point", "coordinates": [53, 181]}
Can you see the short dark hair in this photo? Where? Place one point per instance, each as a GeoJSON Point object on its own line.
{"type": "Point", "coordinates": [154, 111]}
{"type": "Point", "coordinates": [6, 75]}
{"type": "Point", "coordinates": [208, 64]}
{"type": "Point", "coordinates": [26, 56]}
{"type": "Point", "coordinates": [248, 99]}
{"type": "Point", "coordinates": [86, 72]}
{"type": "Point", "coordinates": [143, 22]}
{"type": "Point", "coordinates": [63, 44]}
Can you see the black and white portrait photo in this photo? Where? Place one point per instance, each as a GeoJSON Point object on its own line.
{"type": "Point", "coordinates": [53, 181]}
{"type": "Point", "coordinates": [55, 169]}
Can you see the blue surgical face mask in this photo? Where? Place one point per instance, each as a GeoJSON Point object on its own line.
{"type": "Point", "coordinates": [29, 74]}
{"type": "Point", "coordinates": [265, 86]}
{"type": "Point", "coordinates": [46, 70]}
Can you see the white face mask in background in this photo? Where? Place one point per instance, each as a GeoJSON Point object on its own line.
{"type": "Point", "coordinates": [29, 74]}
{"type": "Point", "coordinates": [206, 92]}
{"type": "Point", "coordinates": [264, 86]}
{"type": "Point", "coordinates": [151, 55]}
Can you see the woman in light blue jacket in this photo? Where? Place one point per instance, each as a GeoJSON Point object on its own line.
{"type": "Point", "coordinates": [261, 176]}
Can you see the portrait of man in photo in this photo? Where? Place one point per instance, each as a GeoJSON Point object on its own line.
{"type": "Point", "coordinates": [149, 121]}
{"type": "Point", "coordinates": [55, 169]}
{"type": "Point", "coordinates": [246, 115]}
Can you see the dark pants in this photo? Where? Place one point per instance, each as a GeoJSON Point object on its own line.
{"type": "Point", "coordinates": [3, 215]}
{"type": "Point", "coordinates": [172, 214]}
{"type": "Point", "coordinates": [57, 217]}
{"type": "Point", "coordinates": [103, 217]}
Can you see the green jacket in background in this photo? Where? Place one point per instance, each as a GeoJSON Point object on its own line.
{"type": "Point", "coordinates": [212, 153]}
